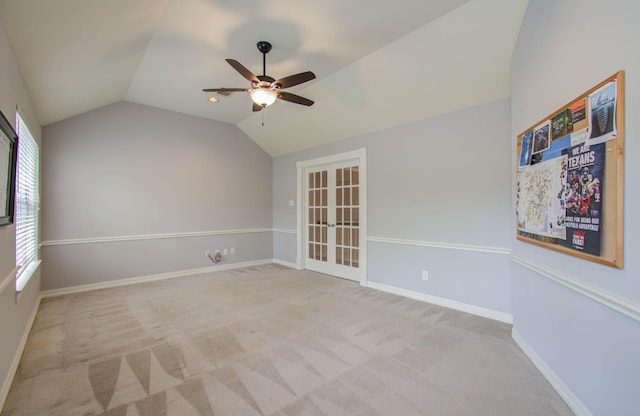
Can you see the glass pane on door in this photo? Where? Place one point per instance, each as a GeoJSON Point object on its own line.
{"type": "Point", "coordinates": [347, 216]}
{"type": "Point", "coordinates": [317, 221]}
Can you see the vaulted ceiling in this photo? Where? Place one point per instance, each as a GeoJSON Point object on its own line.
{"type": "Point", "coordinates": [378, 63]}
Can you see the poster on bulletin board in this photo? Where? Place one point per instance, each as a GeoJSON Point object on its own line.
{"type": "Point", "coordinates": [570, 180]}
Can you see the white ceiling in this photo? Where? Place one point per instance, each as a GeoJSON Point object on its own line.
{"type": "Point", "coordinates": [378, 63]}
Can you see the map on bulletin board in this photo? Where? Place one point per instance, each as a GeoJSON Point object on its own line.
{"type": "Point", "coordinates": [569, 190]}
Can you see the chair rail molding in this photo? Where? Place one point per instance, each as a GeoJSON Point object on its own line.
{"type": "Point", "coordinates": [93, 240]}
{"type": "Point", "coordinates": [435, 244]}
{"type": "Point", "coordinates": [621, 305]}
{"type": "Point", "coordinates": [9, 278]}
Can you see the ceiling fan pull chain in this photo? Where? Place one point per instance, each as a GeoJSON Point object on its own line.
{"type": "Point", "coordinates": [263, 109]}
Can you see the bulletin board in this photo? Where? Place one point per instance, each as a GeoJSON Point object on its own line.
{"type": "Point", "coordinates": [570, 180]}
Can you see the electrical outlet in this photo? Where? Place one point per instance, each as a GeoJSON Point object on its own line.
{"type": "Point", "coordinates": [233, 250]}
{"type": "Point", "coordinates": [425, 275]}
{"type": "Point", "coordinates": [224, 251]}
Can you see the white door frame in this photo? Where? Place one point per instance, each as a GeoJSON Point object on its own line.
{"type": "Point", "coordinates": [361, 156]}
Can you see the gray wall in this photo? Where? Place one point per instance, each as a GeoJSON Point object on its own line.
{"type": "Point", "coordinates": [131, 171]}
{"type": "Point", "coordinates": [565, 47]}
{"type": "Point", "coordinates": [444, 180]}
{"type": "Point", "coordinates": [14, 315]}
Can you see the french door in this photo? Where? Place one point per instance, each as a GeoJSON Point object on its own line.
{"type": "Point", "coordinates": [332, 214]}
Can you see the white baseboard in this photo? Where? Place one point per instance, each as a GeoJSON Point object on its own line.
{"type": "Point", "coordinates": [447, 303]}
{"type": "Point", "coordinates": [556, 382]}
{"type": "Point", "coordinates": [286, 263]}
{"type": "Point", "coordinates": [6, 385]}
{"type": "Point", "coordinates": [150, 278]}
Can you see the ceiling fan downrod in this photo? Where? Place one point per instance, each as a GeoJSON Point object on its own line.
{"type": "Point", "coordinates": [264, 47]}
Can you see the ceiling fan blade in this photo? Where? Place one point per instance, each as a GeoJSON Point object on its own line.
{"type": "Point", "coordinates": [296, 79]}
{"type": "Point", "coordinates": [242, 70]}
{"type": "Point", "coordinates": [223, 90]}
{"type": "Point", "coordinates": [256, 107]}
{"type": "Point", "coordinates": [287, 96]}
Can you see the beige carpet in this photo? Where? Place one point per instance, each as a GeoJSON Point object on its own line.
{"type": "Point", "coordinates": [269, 340]}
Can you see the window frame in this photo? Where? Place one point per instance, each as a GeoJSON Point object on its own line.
{"type": "Point", "coordinates": [27, 204]}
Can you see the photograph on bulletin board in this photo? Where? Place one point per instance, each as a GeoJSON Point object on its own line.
{"type": "Point", "coordinates": [569, 186]}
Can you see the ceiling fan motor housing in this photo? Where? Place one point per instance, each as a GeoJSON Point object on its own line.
{"type": "Point", "coordinates": [265, 81]}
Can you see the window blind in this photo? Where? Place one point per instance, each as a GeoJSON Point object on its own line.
{"type": "Point", "coordinates": [27, 200]}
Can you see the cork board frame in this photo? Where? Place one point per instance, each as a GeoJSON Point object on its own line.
{"type": "Point", "coordinates": [570, 177]}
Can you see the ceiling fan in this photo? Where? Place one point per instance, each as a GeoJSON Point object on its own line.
{"type": "Point", "coordinates": [264, 90]}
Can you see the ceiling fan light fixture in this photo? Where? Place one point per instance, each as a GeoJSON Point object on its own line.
{"type": "Point", "coordinates": [264, 97]}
